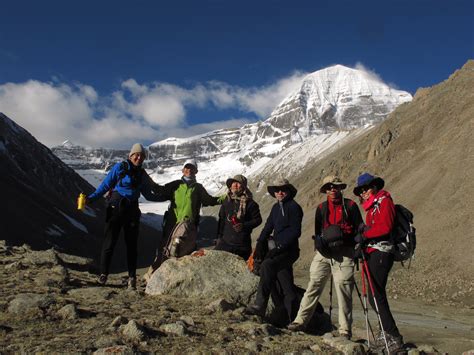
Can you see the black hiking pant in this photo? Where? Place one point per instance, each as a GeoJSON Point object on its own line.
{"type": "Point", "coordinates": [128, 219]}
{"type": "Point", "coordinates": [284, 291]}
{"type": "Point", "coordinates": [278, 269]}
{"type": "Point", "coordinates": [380, 264]}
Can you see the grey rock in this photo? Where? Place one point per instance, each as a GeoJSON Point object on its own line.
{"type": "Point", "coordinates": [118, 321]}
{"type": "Point", "coordinates": [25, 303]}
{"type": "Point", "coordinates": [69, 311]}
{"type": "Point", "coordinates": [344, 345]}
{"type": "Point", "coordinates": [253, 346]}
{"type": "Point", "coordinates": [424, 348]}
{"type": "Point", "coordinates": [220, 305]}
{"type": "Point", "coordinates": [57, 276]}
{"type": "Point", "coordinates": [75, 260]}
{"type": "Point", "coordinates": [117, 349]}
{"type": "Point", "coordinates": [41, 258]}
{"type": "Point", "coordinates": [214, 275]}
{"type": "Point", "coordinates": [187, 320]}
{"type": "Point", "coordinates": [177, 328]}
{"type": "Point", "coordinates": [133, 331]}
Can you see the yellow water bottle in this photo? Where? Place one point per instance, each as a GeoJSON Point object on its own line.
{"type": "Point", "coordinates": [81, 202]}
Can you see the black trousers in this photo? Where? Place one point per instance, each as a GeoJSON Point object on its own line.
{"type": "Point", "coordinates": [242, 251]}
{"type": "Point", "coordinates": [278, 269]}
{"type": "Point", "coordinates": [380, 264]}
{"type": "Point", "coordinates": [284, 291]}
{"type": "Point", "coordinates": [129, 221]}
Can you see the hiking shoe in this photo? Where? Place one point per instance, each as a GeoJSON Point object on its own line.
{"type": "Point", "coordinates": [102, 279]}
{"type": "Point", "coordinates": [132, 283]}
{"type": "Point", "coordinates": [254, 310]}
{"type": "Point", "coordinates": [296, 327]}
{"type": "Point", "coordinates": [395, 343]}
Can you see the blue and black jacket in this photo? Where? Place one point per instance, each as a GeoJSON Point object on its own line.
{"type": "Point", "coordinates": [128, 181]}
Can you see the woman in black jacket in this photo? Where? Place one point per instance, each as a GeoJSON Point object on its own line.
{"type": "Point", "coordinates": [238, 216]}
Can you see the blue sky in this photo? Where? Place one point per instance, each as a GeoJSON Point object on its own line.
{"type": "Point", "coordinates": [109, 73]}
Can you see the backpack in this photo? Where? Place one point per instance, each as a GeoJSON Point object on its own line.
{"type": "Point", "coordinates": [182, 240]}
{"type": "Point", "coordinates": [333, 236]}
{"type": "Point", "coordinates": [403, 234]}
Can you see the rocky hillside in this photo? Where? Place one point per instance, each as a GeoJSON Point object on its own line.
{"type": "Point", "coordinates": [50, 303]}
{"type": "Point", "coordinates": [425, 153]}
{"type": "Point", "coordinates": [39, 201]}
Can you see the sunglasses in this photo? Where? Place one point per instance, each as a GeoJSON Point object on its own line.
{"type": "Point", "coordinates": [364, 189]}
{"type": "Point", "coordinates": [280, 190]}
{"type": "Point", "coordinates": [333, 187]}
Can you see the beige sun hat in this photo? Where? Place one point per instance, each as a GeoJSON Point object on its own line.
{"type": "Point", "coordinates": [331, 180]}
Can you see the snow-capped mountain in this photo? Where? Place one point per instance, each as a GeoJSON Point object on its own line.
{"type": "Point", "coordinates": [328, 104]}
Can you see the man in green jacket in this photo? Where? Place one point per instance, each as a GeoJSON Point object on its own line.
{"type": "Point", "coordinates": [186, 198]}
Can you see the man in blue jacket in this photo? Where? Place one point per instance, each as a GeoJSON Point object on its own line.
{"type": "Point", "coordinates": [124, 183]}
{"type": "Point", "coordinates": [284, 222]}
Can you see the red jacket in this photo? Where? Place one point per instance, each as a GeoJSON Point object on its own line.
{"type": "Point", "coordinates": [379, 218]}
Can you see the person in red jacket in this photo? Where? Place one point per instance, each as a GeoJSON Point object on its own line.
{"type": "Point", "coordinates": [375, 239]}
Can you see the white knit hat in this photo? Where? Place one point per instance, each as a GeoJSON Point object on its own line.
{"type": "Point", "coordinates": [137, 148]}
{"type": "Point", "coordinates": [191, 162]}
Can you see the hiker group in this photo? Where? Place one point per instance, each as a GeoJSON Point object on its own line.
{"type": "Point", "coordinates": [341, 239]}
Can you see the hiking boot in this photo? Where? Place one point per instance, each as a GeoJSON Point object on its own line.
{"type": "Point", "coordinates": [395, 343]}
{"type": "Point", "coordinates": [132, 283]}
{"type": "Point", "coordinates": [102, 279]}
{"type": "Point", "coordinates": [254, 310]}
{"type": "Point", "coordinates": [297, 327]}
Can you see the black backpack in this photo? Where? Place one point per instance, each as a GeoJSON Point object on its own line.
{"type": "Point", "coordinates": [403, 234]}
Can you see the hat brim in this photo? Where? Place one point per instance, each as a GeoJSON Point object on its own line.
{"type": "Point", "coordinates": [229, 182]}
{"type": "Point", "coordinates": [323, 188]}
{"type": "Point", "coordinates": [292, 190]}
{"type": "Point", "coordinates": [378, 182]}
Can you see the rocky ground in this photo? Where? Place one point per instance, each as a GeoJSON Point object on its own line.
{"type": "Point", "coordinates": [50, 302]}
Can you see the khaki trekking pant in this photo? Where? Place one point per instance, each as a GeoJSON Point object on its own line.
{"type": "Point", "coordinates": [342, 269]}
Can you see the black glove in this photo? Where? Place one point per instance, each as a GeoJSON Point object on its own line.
{"type": "Point", "coordinates": [358, 251]}
{"type": "Point", "coordinates": [260, 251]}
{"type": "Point", "coordinates": [360, 239]}
{"type": "Point", "coordinates": [362, 228]}
{"type": "Point", "coordinates": [274, 252]}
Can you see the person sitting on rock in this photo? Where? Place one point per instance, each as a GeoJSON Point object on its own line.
{"type": "Point", "coordinates": [186, 197]}
{"type": "Point", "coordinates": [284, 222]}
{"type": "Point", "coordinates": [238, 216]}
{"type": "Point", "coordinates": [124, 183]}
{"type": "Point", "coordinates": [336, 222]}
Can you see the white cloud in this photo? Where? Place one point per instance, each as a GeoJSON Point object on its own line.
{"type": "Point", "coordinates": [369, 72]}
{"type": "Point", "coordinates": [54, 111]}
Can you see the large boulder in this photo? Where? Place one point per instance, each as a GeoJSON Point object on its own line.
{"type": "Point", "coordinates": [208, 274]}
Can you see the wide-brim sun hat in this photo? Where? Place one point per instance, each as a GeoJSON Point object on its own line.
{"type": "Point", "coordinates": [281, 184]}
{"type": "Point", "coordinates": [238, 178]}
{"type": "Point", "coordinates": [331, 180]}
{"type": "Point", "coordinates": [366, 180]}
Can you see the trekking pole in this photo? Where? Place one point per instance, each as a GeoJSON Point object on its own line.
{"type": "Point", "coordinates": [330, 300]}
{"type": "Point", "coordinates": [364, 307]}
{"type": "Point", "coordinates": [365, 269]}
